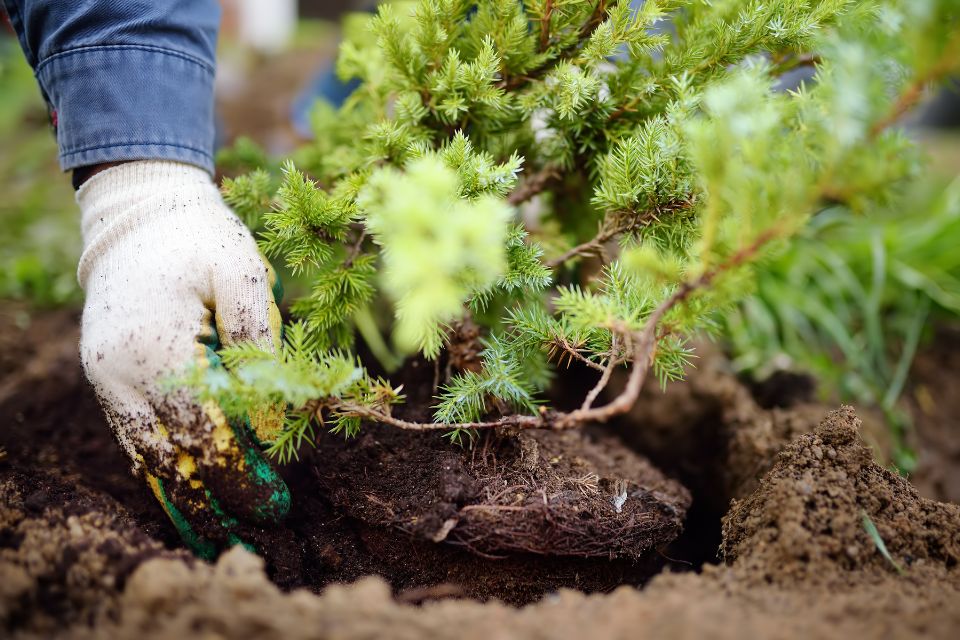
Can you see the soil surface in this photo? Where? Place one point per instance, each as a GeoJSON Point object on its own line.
{"type": "Point", "coordinates": [520, 515]}
{"type": "Point", "coordinates": [934, 399]}
{"type": "Point", "coordinates": [85, 552]}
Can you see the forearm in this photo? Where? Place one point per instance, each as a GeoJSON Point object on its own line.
{"type": "Point", "coordinates": [124, 80]}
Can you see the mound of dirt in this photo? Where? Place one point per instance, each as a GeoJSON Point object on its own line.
{"type": "Point", "coordinates": [718, 435]}
{"type": "Point", "coordinates": [65, 552]}
{"type": "Point", "coordinates": [808, 520]}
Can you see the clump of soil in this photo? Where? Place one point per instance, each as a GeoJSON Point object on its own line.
{"type": "Point", "coordinates": [718, 435]}
{"type": "Point", "coordinates": [65, 552]}
{"type": "Point", "coordinates": [543, 493]}
{"type": "Point", "coordinates": [513, 518]}
{"type": "Point", "coordinates": [807, 521]}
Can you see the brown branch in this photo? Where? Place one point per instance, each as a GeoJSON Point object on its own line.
{"type": "Point", "coordinates": [644, 342]}
{"type": "Point", "coordinates": [545, 25]}
{"type": "Point", "coordinates": [782, 64]}
{"type": "Point", "coordinates": [533, 185]}
{"type": "Point", "coordinates": [607, 371]}
{"type": "Point", "coordinates": [914, 91]}
{"type": "Point", "coordinates": [905, 102]}
{"type": "Point", "coordinates": [561, 342]}
{"type": "Point", "coordinates": [628, 223]}
{"type": "Point", "coordinates": [361, 411]}
{"type": "Point", "coordinates": [355, 249]}
{"type": "Point", "coordinates": [586, 248]}
{"type": "Point", "coordinates": [599, 15]}
{"type": "Point", "coordinates": [628, 107]}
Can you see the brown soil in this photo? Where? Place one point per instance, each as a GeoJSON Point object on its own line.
{"type": "Point", "coordinates": [934, 400]}
{"type": "Point", "coordinates": [805, 522]}
{"type": "Point", "coordinates": [520, 516]}
{"type": "Point", "coordinates": [84, 551]}
{"type": "Point", "coordinates": [718, 435]}
{"type": "Point", "coordinates": [542, 493]}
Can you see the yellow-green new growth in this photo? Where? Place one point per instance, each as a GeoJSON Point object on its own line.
{"type": "Point", "coordinates": [437, 248]}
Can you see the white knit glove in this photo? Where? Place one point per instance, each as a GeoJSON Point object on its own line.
{"type": "Point", "coordinates": [163, 257]}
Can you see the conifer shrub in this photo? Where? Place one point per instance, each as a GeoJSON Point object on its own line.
{"type": "Point", "coordinates": [583, 180]}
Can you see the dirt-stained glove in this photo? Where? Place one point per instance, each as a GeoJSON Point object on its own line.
{"type": "Point", "coordinates": [169, 271]}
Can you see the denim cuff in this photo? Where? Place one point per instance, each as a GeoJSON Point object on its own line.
{"type": "Point", "coordinates": [130, 102]}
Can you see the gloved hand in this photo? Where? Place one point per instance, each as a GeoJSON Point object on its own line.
{"type": "Point", "coordinates": [169, 270]}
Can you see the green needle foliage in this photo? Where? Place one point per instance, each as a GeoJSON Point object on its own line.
{"type": "Point", "coordinates": [583, 180]}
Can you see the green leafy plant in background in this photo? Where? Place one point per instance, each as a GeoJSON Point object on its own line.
{"type": "Point", "coordinates": [40, 241]}
{"type": "Point", "coordinates": [849, 300]}
{"type": "Point", "coordinates": [582, 180]}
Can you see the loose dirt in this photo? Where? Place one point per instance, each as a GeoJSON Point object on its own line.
{"type": "Point", "coordinates": [84, 552]}
{"type": "Point", "coordinates": [933, 396]}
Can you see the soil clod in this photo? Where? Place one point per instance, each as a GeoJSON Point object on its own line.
{"type": "Point", "coordinates": [543, 493]}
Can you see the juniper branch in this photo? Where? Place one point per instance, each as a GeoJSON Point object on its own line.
{"type": "Point", "coordinates": [513, 83]}
{"type": "Point", "coordinates": [628, 222]}
{"type": "Point", "coordinates": [641, 353]}
{"type": "Point", "coordinates": [909, 98]}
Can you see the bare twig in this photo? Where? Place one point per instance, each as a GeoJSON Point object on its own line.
{"type": "Point", "coordinates": [590, 247]}
{"type": "Point", "coordinates": [628, 107]}
{"type": "Point", "coordinates": [609, 230]}
{"type": "Point", "coordinates": [355, 249]}
{"type": "Point", "coordinates": [533, 185]}
{"type": "Point", "coordinates": [784, 63]}
{"type": "Point", "coordinates": [560, 341]}
{"type": "Point", "coordinates": [607, 371]}
{"type": "Point", "coordinates": [545, 25]}
{"type": "Point", "coordinates": [376, 415]}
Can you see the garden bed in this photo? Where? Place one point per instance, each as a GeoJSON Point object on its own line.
{"type": "Point", "coordinates": [85, 551]}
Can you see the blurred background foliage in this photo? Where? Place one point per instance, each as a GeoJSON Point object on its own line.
{"type": "Point", "coordinates": [40, 237]}
{"type": "Point", "coordinates": [852, 300]}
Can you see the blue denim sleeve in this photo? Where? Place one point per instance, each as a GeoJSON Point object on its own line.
{"type": "Point", "coordinates": [124, 79]}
